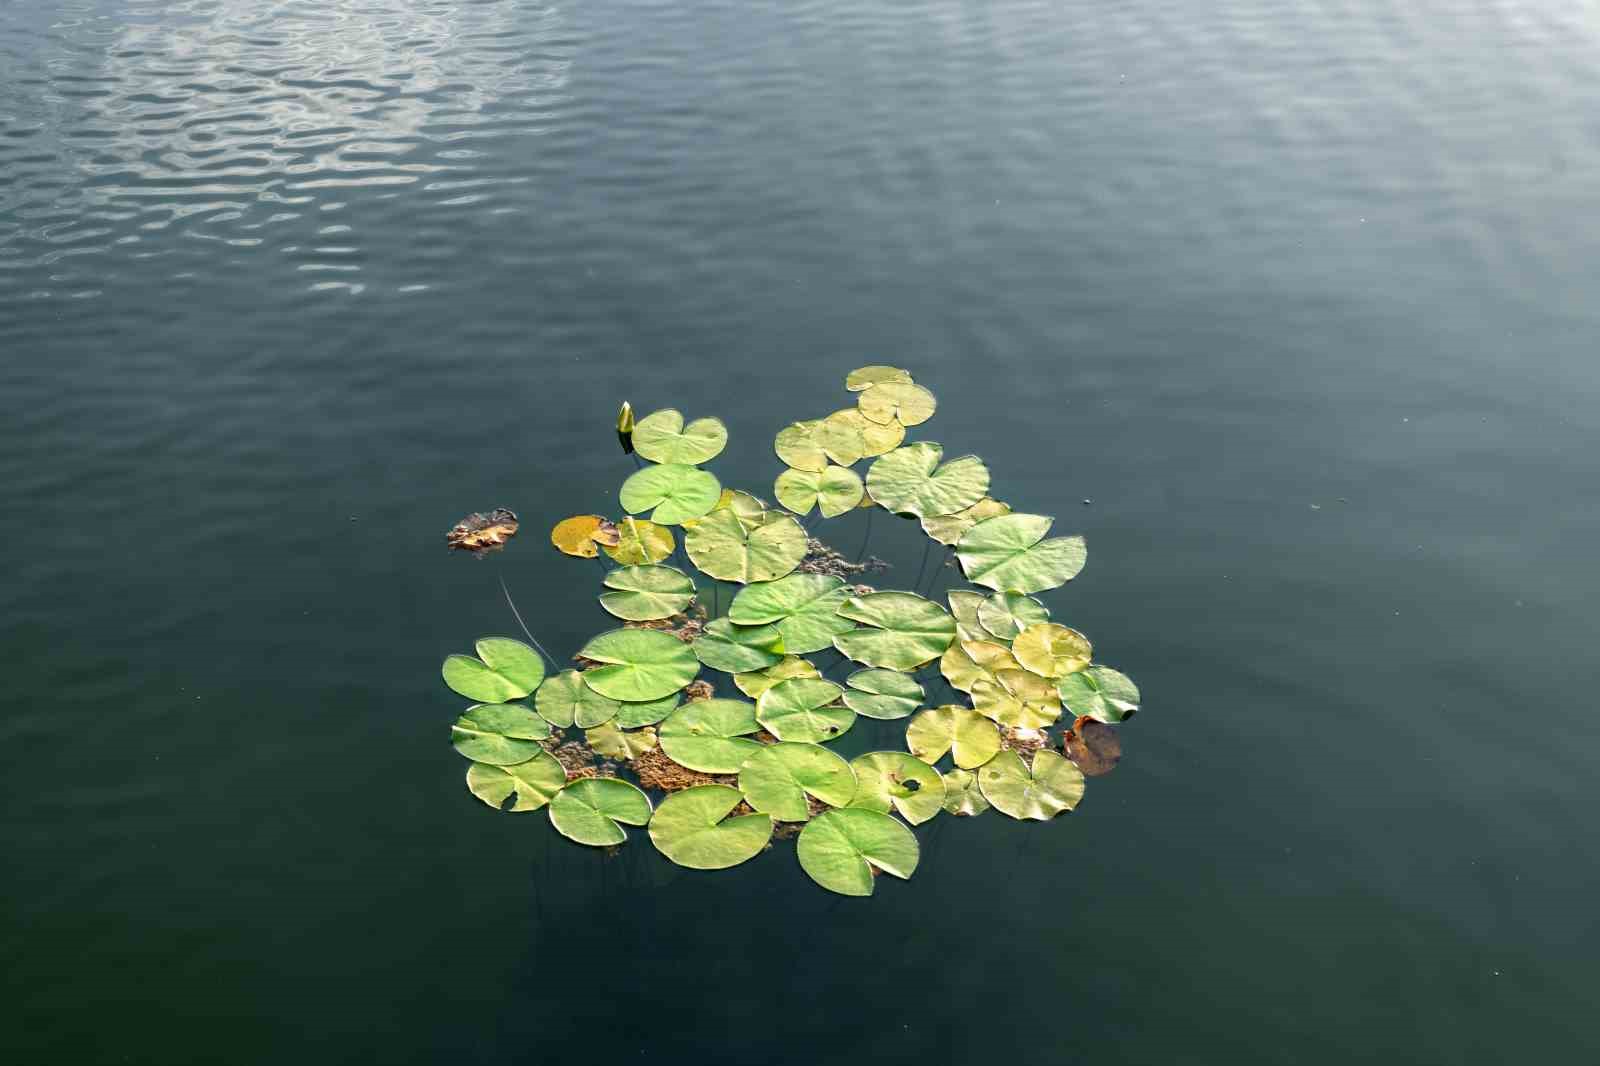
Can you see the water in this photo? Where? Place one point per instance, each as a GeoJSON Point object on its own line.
{"type": "Point", "coordinates": [1300, 295]}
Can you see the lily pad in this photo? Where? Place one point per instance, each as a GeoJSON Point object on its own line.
{"type": "Point", "coordinates": [504, 670]}
{"type": "Point", "coordinates": [1051, 786]}
{"type": "Point", "coordinates": [804, 709]}
{"type": "Point", "coordinates": [883, 694]}
{"type": "Point", "coordinates": [750, 510]}
{"type": "Point", "coordinates": [969, 737]}
{"type": "Point", "coordinates": [914, 480]}
{"type": "Point", "coordinates": [897, 401]}
{"type": "Point", "coordinates": [1009, 553]}
{"type": "Point", "coordinates": [723, 548]}
{"type": "Point", "coordinates": [964, 604]}
{"type": "Point", "coordinates": [754, 682]}
{"type": "Point", "coordinates": [777, 779]}
{"type": "Point", "coordinates": [867, 376]}
{"type": "Point", "coordinates": [564, 700]}
{"type": "Point", "coordinates": [644, 593]}
{"type": "Point", "coordinates": [804, 607]}
{"type": "Point", "coordinates": [1094, 747]}
{"type": "Point", "coordinates": [839, 849]}
{"type": "Point", "coordinates": [842, 440]}
{"type": "Point", "coordinates": [965, 663]}
{"type": "Point", "coordinates": [1013, 701]}
{"type": "Point", "coordinates": [834, 490]}
{"type": "Point", "coordinates": [641, 541]}
{"type": "Point", "coordinates": [593, 810]}
{"type": "Point", "coordinates": [674, 490]}
{"type": "Point", "coordinates": [876, 438]}
{"type": "Point", "coordinates": [901, 630]}
{"type": "Point", "coordinates": [648, 712]}
{"type": "Point", "coordinates": [727, 646]}
{"type": "Point", "coordinates": [533, 782]}
{"type": "Point", "coordinates": [583, 535]}
{"type": "Point", "coordinates": [1052, 650]}
{"type": "Point", "coordinates": [962, 797]}
{"type": "Point", "coordinates": [606, 739]}
{"type": "Point", "coordinates": [661, 437]}
{"type": "Point", "coordinates": [949, 529]}
{"type": "Point", "coordinates": [1101, 693]}
{"type": "Point", "coordinates": [1005, 614]}
{"type": "Point", "coordinates": [479, 534]}
{"type": "Point", "coordinates": [501, 734]}
{"type": "Point", "coordinates": [888, 780]}
{"type": "Point", "coordinates": [641, 664]}
{"type": "Point", "coordinates": [692, 828]}
{"type": "Point", "coordinates": [797, 445]}
{"type": "Point", "coordinates": [711, 736]}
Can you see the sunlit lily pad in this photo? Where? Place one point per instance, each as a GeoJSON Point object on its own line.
{"type": "Point", "coordinates": [834, 490]}
{"type": "Point", "coordinates": [867, 376]}
{"type": "Point", "coordinates": [901, 630]}
{"type": "Point", "coordinates": [888, 780]}
{"type": "Point", "coordinates": [1017, 699]}
{"type": "Point", "coordinates": [501, 734]}
{"type": "Point", "coordinates": [1101, 693]}
{"type": "Point", "coordinates": [1093, 747]}
{"type": "Point", "coordinates": [842, 439]}
{"type": "Point", "coordinates": [723, 548]}
{"type": "Point", "coordinates": [876, 438]}
{"type": "Point", "coordinates": [643, 593]}
{"type": "Point", "coordinates": [914, 480]}
{"type": "Point", "coordinates": [797, 445]}
{"type": "Point", "coordinates": [505, 670]}
{"type": "Point", "coordinates": [750, 510]}
{"type": "Point", "coordinates": [641, 541]}
{"type": "Point", "coordinates": [1051, 650]}
{"type": "Point", "coordinates": [661, 437]}
{"type": "Point", "coordinates": [647, 712]}
{"type": "Point", "coordinates": [839, 849]}
{"type": "Point", "coordinates": [533, 782]}
{"type": "Point", "coordinates": [712, 736]}
{"type": "Point", "coordinates": [885, 694]}
{"type": "Point", "coordinates": [641, 664]}
{"type": "Point", "coordinates": [675, 492]}
{"type": "Point", "coordinates": [949, 529]}
{"type": "Point", "coordinates": [969, 661]}
{"type": "Point", "coordinates": [692, 828]}
{"type": "Point", "coordinates": [804, 709]}
{"type": "Point", "coordinates": [804, 607]}
{"type": "Point", "coordinates": [1051, 786]}
{"type": "Point", "coordinates": [564, 700]}
{"type": "Point", "coordinates": [964, 604]}
{"type": "Point", "coordinates": [593, 810]}
{"type": "Point", "coordinates": [777, 779]}
{"type": "Point", "coordinates": [962, 797]}
{"type": "Point", "coordinates": [1005, 614]}
{"type": "Point", "coordinates": [754, 682]}
{"type": "Point", "coordinates": [606, 739]}
{"type": "Point", "coordinates": [897, 401]}
{"type": "Point", "coordinates": [969, 737]}
{"type": "Point", "coordinates": [1009, 553]}
{"type": "Point", "coordinates": [727, 646]}
{"type": "Point", "coordinates": [584, 535]}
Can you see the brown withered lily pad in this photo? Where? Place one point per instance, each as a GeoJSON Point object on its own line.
{"type": "Point", "coordinates": [1093, 746]}
{"type": "Point", "coordinates": [480, 533]}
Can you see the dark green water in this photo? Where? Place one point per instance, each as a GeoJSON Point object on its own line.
{"type": "Point", "coordinates": [1300, 295]}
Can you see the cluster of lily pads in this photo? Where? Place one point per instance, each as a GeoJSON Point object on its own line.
{"type": "Point", "coordinates": [730, 773]}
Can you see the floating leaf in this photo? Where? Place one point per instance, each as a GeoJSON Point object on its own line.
{"type": "Point", "coordinates": [640, 541]}
{"type": "Point", "coordinates": [584, 535]}
{"type": "Point", "coordinates": [893, 779]}
{"type": "Point", "coordinates": [661, 437]}
{"type": "Point", "coordinates": [838, 850]}
{"type": "Point", "coordinates": [841, 438]}
{"type": "Point", "coordinates": [948, 529]}
{"type": "Point", "coordinates": [1005, 614]}
{"type": "Point", "coordinates": [649, 712]}
{"type": "Point", "coordinates": [641, 664]}
{"type": "Point", "coordinates": [505, 670]}
{"type": "Point", "coordinates": [750, 510]}
{"type": "Point", "coordinates": [644, 593]}
{"type": "Point", "coordinates": [692, 828]}
{"type": "Point", "coordinates": [897, 401]}
{"type": "Point", "coordinates": [711, 736]}
{"type": "Point", "coordinates": [797, 445]}
{"type": "Point", "coordinates": [777, 779]}
{"type": "Point", "coordinates": [834, 490]}
{"type": "Point", "coordinates": [675, 491]}
{"type": "Point", "coordinates": [606, 739]}
{"type": "Point", "coordinates": [1101, 693]}
{"type": "Point", "coordinates": [481, 533]}
{"type": "Point", "coordinates": [962, 796]}
{"type": "Point", "coordinates": [501, 734]}
{"type": "Point", "coordinates": [564, 700]}
{"type": "Point", "coordinates": [533, 782]}
{"type": "Point", "coordinates": [1052, 785]}
{"type": "Point", "coordinates": [902, 630]}
{"type": "Point", "coordinates": [867, 376]}
{"type": "Point", "coordinates": [804, 607]}
{"type": "Point", "coordinates": [1094, 747]}
{"type": "Point", "coordinates": [1051, 650]}
{"type": "Point", "coordinates": [879, 693]}
{"type": "Point", "coordinates": [971, 661]}
{"type": "Point", "coordinates": [911, 480]}
{"type": "Point", "coordinates": [593, 810]}
{"type": "Point", "coordinates": [803, 709]}
{"type": "Point", "coordinates": [964, 604]}
{"type": "Point", "coordinates": [875, 438]}
{"type": "Point", "coordinates": [754, 682]}
{"type": "Point", "coordinates": [1008, 553]}
{"type": "Point", "coordinates": [724, 645]}
{"type": "Point", "coordinates": [1013, 700]}
{"type": "Point", "coordinates": [969, 737]}
{"type": "Point", "coordinates": [723, 548]}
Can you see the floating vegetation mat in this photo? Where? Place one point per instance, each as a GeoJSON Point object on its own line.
{"type": "Point", "coordinates": [703, 728]}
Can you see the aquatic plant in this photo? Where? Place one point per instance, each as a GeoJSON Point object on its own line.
{"type": "Point", "coordinates": [982, 680]}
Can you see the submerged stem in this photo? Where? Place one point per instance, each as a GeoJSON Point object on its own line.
{"type": "Point", "coordinates": [864, 540]}
{"type": "Point", "coordinates": [524, 625]}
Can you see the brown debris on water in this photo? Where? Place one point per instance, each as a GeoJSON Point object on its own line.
{"type": "Point", "coordinates": [1094, 746]}
{"type": "Point", "coordinates": [656, 771]}
{"type": "Point", "coordinates": [576, 758]}
{"type": "Point", "coordinates": [481, 533]}
{"type": "Point", "coordinates": [822, 559]}
{"type": "Point", "coordinates": [1023, 741]}
{"type": "Point", "coordinates": [698, 690]}
{"type": "Point", "coordinates": [686, 626]}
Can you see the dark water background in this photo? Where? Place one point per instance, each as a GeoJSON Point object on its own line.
{"type": "Point", "coordinates": [1301, 295]}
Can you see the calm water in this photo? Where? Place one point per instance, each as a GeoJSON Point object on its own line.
{"type": "Point", "coordinates": [1300, 294]}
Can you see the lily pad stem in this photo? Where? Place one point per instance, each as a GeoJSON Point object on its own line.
{"type": "Point", "coordinates": [867, 538]}
{"type": "Point", "coordinates": [524, 625]}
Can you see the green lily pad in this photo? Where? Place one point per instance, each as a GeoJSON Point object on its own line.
{"type": "Point", "coordinates": [1009, 553]}
{"type": "Point", "coordinates": [842, 439]}
{"type": "Point", "coordinates": [533, 782]}
{"type": "Point", "coordinates": [883, 694]}
{"type": "Point", "coordinates": [606, 739]}
{"type": "Point", "coordinates": [949, 528]}
{"type": "Point", "coordinates": [964, 604]}
{"type": "Point", "coordinates": [1101, 693]}
{"type": "Point", "coordinates": [1005, 614]}
{"type": "Point", "coordinates": [501, 734]}
{"type": "Point", "coordinates": [838, 850]}
{"type": "Point", "coordinates": [645, 593]}
{"type": "Point", "coordinates": [750, 510]}
{"type": "Point", "coordinates": [888, 780]}
{"type": "Point", "coordinates": [962, 797]}
{"type": "Point", "coordinates": [913, 480]}
{"type": "Point", "coordinates": [727, 646]}
{"type": "Point", "coordinates": [505, 670]}
{"type": "Point", "coordinates": [593, 810]}
{"type": "Point", "coordinates": [803, 709]}
{"type": "Point", "coordinates": [1012, 700]}
{"type": "Point", "coordinates": [754, 682]}
{"type": "Point", "coordinates": [797, 445]}
{"type": "Point", "coordinates": [864, 377]}
{"type": "Point", "coordinates": [641, 541]}
{"type": "Point", "coordinates": [711, 736]}
{"type": "Point", "coordinates": [969, 737]}
{"type": "Point", "coordinates": [969, 661]}
{"type": "Point", "coordinates": [777, 779]}
{"type": "Point", "coordinates": [648, 712]}
{"type": "Point", "coordinates": [901, 630]}
{"type": "Point", "coordinates": [640, 664]}
{"type": "Point", "coordinates": [1051, 786]}
{"type": "Point", "coordinates": [692, 828]}
{"type": "Point", "coordinates": [897, 401]}
{"type": "Point", "coordinates": [1052, 650]}
{"type": "Point", "coordinates": [804, 607]}
{"type": "Point", "coordinates": [564, 700]}
{"type": "Point", "coordinates": [675, 491]}
{"type": "Point", "coordinates": [835, 490]}
{"type": "Point", "coordinates": [876, 438]}
{"type": "Point", "coordinates": [661, 437]}
{"type": "Point", "coordinates": [723, 548]}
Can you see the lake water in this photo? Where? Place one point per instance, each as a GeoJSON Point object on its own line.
{"type": "Point", "coordinates": [1301, 295]}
